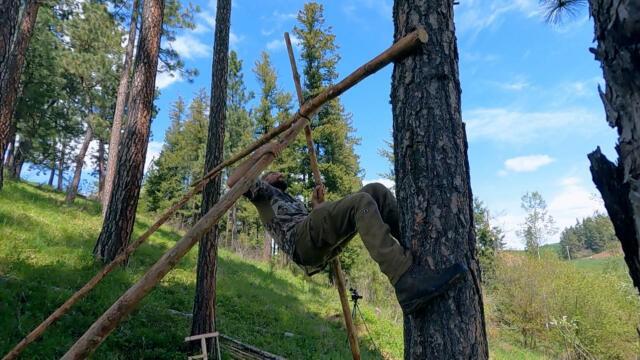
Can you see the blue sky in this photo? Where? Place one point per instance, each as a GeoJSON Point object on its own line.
{"type": "Point", "coordinates": [529, 93]}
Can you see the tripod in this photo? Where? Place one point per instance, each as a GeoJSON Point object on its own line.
{"type": "Point", "coordinates": [355, 296]}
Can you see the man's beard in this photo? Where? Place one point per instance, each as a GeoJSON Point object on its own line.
{"type": "Point", "coordinates": [280, 184]}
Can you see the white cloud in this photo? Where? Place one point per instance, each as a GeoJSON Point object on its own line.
{"type": "Point", "coordinates": [276, 21]}
{"type": "Point", "coordinates": [574, 201]}
{"type": "Point", "coordinates": [516, 85]}
{"type": "Point", "coordinates": [165, 79]}
{"type": "Point", "coordinates": [390, 184]}
{"type": "Point", "coordinates": [235, 39]}
{"type": "Point", "coordinates": [515, 127]}
{"type": "Point", "coordinates": [474, 16]}
{"type": "Point", "coordinates": [527, 163]}
{"type": "Point", "coordinates": [153, 152]}
{"type": "Point", "coordinates": [510, 223]}
{"type": "Point", "coordinates": [189, 47]}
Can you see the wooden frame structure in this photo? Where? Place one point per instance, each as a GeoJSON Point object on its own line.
{"type": "Point", "coordinates": [106, 323]}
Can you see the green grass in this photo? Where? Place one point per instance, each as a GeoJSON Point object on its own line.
{"type": "Point", "coordinates": [45, 254]}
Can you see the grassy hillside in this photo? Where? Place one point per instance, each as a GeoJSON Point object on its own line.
{"type": "Point", "coordinates": [45, 253]}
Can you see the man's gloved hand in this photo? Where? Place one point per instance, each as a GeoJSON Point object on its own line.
{"type": "Point", "coordinates": [317, 196]}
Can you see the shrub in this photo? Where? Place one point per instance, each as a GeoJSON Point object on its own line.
{"type": "Point", "coordinates": [568, 312]}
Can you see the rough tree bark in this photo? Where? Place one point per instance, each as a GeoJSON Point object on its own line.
{"type": "Point", "coordinates": [121, 100]}
{"type": "Point", "coordinates": [617, 32]}
{"type": "Point", "coordinates": [204, 304]}
{"type": "Point", "coordinates": [72, 191]}
{"type": "Point", "coordinates": [17, 20]}
{"type": "Point", "coordinates": [433, 188]}
{"type": "Point", "coordinates": [121, 210]}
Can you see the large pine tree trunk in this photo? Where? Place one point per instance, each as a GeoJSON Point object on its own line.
{"type": "Point", "coordinates": [17, 20]}
{"type": "Point", "coordinates": [61, 161]}
{"type": "Point", "coordinates": [72, 191]}
{"type": "Point", "coordinates": [204, 304]}
{"type": "Point", "coordinates": [433, 188]}
{"type": "Point", "coordinates": [121, 209]}
{"type": "Point", "coordinates": [121, 101]}
{"type": "Point", "coordinates": [617, 32]}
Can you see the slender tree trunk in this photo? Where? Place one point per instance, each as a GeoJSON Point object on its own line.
{"type": "Point", "coordinates": [234, 227]}
{"type": "Point", "coordinates": [266, 246]}
{"type": "Point", "coordinates": [101, 168]}
{"type": "Point", "coordinates": [52, 174]}
{"type": "Point", "coordinates": [121, 101]}
{"type": "Point", "coordinates": [227, 231]}
{"type": "Point", "coordinates": [24, 146]}
{"type": "Point", "coordinates": [204, 304]}
{"type": "Point", "coordinates": [121, 209]}
{"type": "Point", "coordinates": [72, 191]}
{"type": "Point", "coordinates": [17, 20]}
{"type": "Point", "coordinates": [433, 188]}
{"type": "Point", "coordinates": [61, 168]}
{"type": "Point", "coordinates": [617, 32]}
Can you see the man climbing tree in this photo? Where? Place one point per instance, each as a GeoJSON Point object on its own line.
{"type": "Point", "coordinates": [204, 311]}
{"type": "Point", "coordinates": [433, 187]}
{"type": "Point", "coordinates": [121, 212]}
{"type": "Point", "coordinates": [17, 20]}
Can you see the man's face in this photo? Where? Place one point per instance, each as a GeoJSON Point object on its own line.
{"type": "Point", "coordinates": [277, 180]}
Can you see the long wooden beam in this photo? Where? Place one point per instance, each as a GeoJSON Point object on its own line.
{"type": "Point", "coordinates": [96, 334]}
{"type": "Point", "coordinates": [313, 160]}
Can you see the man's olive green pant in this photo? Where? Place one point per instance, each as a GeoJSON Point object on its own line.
{"type": "Point", "coordinates": [373, 213]}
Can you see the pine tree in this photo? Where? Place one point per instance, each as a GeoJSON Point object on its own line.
{"type": "Point", "coordinates": [95, 44]}
{"type": "Point", "coordinates": [332, 129]}
{"type": "Point", "coordinates": [204, 303]}
{"type": "Point", "coordinates": [239, 129]}
{"type": "Point", "coordinates": [121, 99]}
{"type": "Point", "coordinates": [433, 187]}
{"type": "Point", "coordinates": [17, 20]}
{"type": "Point", "coordinates": [121, 213]}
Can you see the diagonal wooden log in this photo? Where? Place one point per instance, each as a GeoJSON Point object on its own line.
{"type": "Point", "coordinates": [94, 336]}
{"type": "Point", "coordinates": [196, 188]}
{"type": "Point", "coordinates": [313, 160]}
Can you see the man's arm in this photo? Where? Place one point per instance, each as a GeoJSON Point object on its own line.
{"type": "Point", "coordinates": [246, 165]}
{"type": "Point", "coordinates": [317, 196]}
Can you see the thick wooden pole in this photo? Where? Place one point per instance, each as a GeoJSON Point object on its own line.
{"type": "Point", "coordinates": [126, 303]}
{"type": "Point", "coordinates": [313, 160]}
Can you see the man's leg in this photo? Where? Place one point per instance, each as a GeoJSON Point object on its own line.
{"type": "Point", "coordinates": [387, 205]}
{"type": "Point", "coordinates": [333, 224]}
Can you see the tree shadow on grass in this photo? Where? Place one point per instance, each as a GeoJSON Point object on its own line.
{"type": "Point", "coordinates": [254, 307]}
